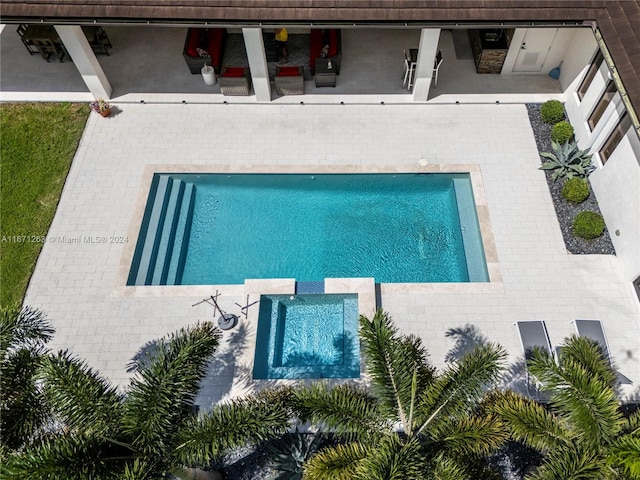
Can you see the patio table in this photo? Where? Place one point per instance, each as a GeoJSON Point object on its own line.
{"type": "Point", "coordinates": [325, 73]}
{"type": "Point", "coordinates": [46, 40]}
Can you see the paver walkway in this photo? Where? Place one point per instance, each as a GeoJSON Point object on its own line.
{"type": "Point", "coordinates": [75, 281]}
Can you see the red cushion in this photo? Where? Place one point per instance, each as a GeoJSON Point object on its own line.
{"type": "Point", "coordinates": [233, 72]}
{"type": "Point", "coordinates": [316, 44]}
{"type": "Point", "coordinates": [333, 42]}
{"type": "Point", "coordinates": [193, 42]}
{"type": "Point", "coordinates": [215, 41]}
{"type": "Point", "coordinates": [288, 72]}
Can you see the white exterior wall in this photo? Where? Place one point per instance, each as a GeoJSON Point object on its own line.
{"type": "Point", "coordinates": [582, 51]}
{"type": "Point", "coordinates": [617, 183]}
{"type": "Point", "coordinates": [617, 187]}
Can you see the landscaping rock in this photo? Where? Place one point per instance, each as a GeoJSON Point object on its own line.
{"type": "Point", "coordinates": [566, 211]}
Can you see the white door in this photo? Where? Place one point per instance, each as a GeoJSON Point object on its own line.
{"type": "Point", "coordinates": [534, 49]}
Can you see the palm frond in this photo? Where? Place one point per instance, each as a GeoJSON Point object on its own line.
{"type": "Point", "coordinates": [394, 459]}
{"type": "Point", "coordinates": [339, 462]}
{"type": "Point", "coordinates": [23, 409]}
{"type": "Point", "coordinates": [393, 360]}
{"type": "Point", "coordinates": [624, 454]}
{"type": "Point", "coordinates": [588, 402]}
{"type": "Point", "coordinates": [25, 328]}
{"type": "Point", "coordinates": [632, 424]}
{"type": "Point", "coordinates": [85, 401]}
{"type": "Point", "coordinates": [460, 386]}
{"type": "Point", "coordinates": [68, 457]}
{"type": "Point", "coordinates": [571, 464]}
{"type": "Point", "coordinates": [251, 419]}
{"type": "Point", "coordinates": [137, 469]}
{"type": "Point", "coordinates": [590, 356]}
{"type": "Point", "coordinates": [346, 409]}
{"type": "Point", "coordinates": [445, 468]}
{"type": "Point", "coordinates": [529, 422]}
{"type": "Point", "coordinates": [163, 393]}
{"type": "Point", "coordinates": [470, 436]}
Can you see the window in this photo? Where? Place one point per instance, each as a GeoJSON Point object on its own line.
{"type": "Point", "coordinates": [602, 105]}
{"type": "Point", "coordinates": [614, 139]}
{"type": "Point", "coordinates": [591, 73]}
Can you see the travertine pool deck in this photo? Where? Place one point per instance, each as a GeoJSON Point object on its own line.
{"type": "Point", "coordinates": [77, 280]}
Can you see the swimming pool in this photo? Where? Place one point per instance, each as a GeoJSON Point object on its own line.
{"type": "Point", "coordinates": [217, 229]}
{"type": "Point", "coordinates": [307, 336]}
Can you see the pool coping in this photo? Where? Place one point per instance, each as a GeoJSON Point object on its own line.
{"type": "Point", "coordinates": [494, 285]}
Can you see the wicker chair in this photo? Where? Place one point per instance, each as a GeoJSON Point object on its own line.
{"type": "Point", "coordinates": [289, 80]}
{"type": "Point", "coordinates": [235, 81]}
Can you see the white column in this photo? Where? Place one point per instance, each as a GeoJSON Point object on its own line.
{"type": "Point", "coordinates": [85, 60]}
{"type": "Point", "coordinates": [427, 51]}
{"type": "Point", "coordinates": [257, 63]}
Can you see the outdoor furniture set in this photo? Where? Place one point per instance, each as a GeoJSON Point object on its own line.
{"type": "Point", "coordinates": [44, 39]}
{"type": "Point", "coordinates": [326, 43]}
{"type": "Point", "coordinates": [204, 46]}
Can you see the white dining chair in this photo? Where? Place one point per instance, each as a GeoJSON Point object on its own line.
{"type": "Point", "coordinates": [409, 70]}
{"type": "Point", "coordinates": [436, 67]}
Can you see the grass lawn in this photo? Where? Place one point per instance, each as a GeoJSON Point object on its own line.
{"type": "Point", "coordinates": [37, 144]}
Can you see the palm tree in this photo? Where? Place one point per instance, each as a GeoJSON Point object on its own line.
{"type": "Point", "coordinates": [416, 422]}
{"type": "Point", "coordinates": [23, 336]}
{"type": "Point", "coordinates": [583, 433]}
{"type": "Point", "coordinates": [149, 430]}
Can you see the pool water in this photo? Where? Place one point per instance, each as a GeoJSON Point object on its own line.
{"type": "Point", "coordinates": [222, 229]}
{"type": "Point", "coordinates": [307, 336]}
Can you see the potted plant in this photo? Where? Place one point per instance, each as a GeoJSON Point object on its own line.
{"type": "Point", "coordinates": [101, 106]}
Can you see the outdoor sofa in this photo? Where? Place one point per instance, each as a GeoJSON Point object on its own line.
{"type": "Point", "coordinates": [317, 41]}
{"type": "Point", "coordinates": [210, 42]}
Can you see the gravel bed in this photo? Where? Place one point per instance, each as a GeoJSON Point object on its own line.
{"type": "Point", "coordinates": [566, 211]}
{"type": "Point", "coordinates": [249, 463]}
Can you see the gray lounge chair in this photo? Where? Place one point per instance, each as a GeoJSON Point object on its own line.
{"type": "Point", "coordinates": [592, 329]}
{"type": "Point", "coordinates": [533, 333]}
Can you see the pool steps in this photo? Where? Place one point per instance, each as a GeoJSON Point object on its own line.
{"type": "Point", "coordinates": [164, 236]}
{"type": "Point", "coordinates": [183, 230]}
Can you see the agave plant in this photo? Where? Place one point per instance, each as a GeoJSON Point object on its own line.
{"type": "Point", "coordinates": [289, 454]}
{"type": "Point", "coordinates": [567, 161]}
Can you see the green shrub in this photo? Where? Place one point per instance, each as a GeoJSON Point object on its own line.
{"type": "Point", "coordinates": [588, 225]}
{"type": "Point", "coordinates": [562, 132]}
{"type": "Point", "coordinates": [575, 190]}
{"type": "Point", "coordinates": [552, 111]}
{"type": "Point", "coordinates": [567, 161]}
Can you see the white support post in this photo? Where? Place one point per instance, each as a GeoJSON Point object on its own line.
{"type": "Point", "coordinates": [257, 63]}
{"type": "Point", "coordinates": [85, 60]}
{"type": "Point", "coordinates": [427, 51]}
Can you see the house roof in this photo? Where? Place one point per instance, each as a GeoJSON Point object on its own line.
{"type": "Point", "coordinates": [614, 18]}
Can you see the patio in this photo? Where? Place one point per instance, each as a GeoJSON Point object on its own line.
{"type": "Point", "coordinates": [77, 283]}
{"type": "Point", "coordinates": [146, 64]}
